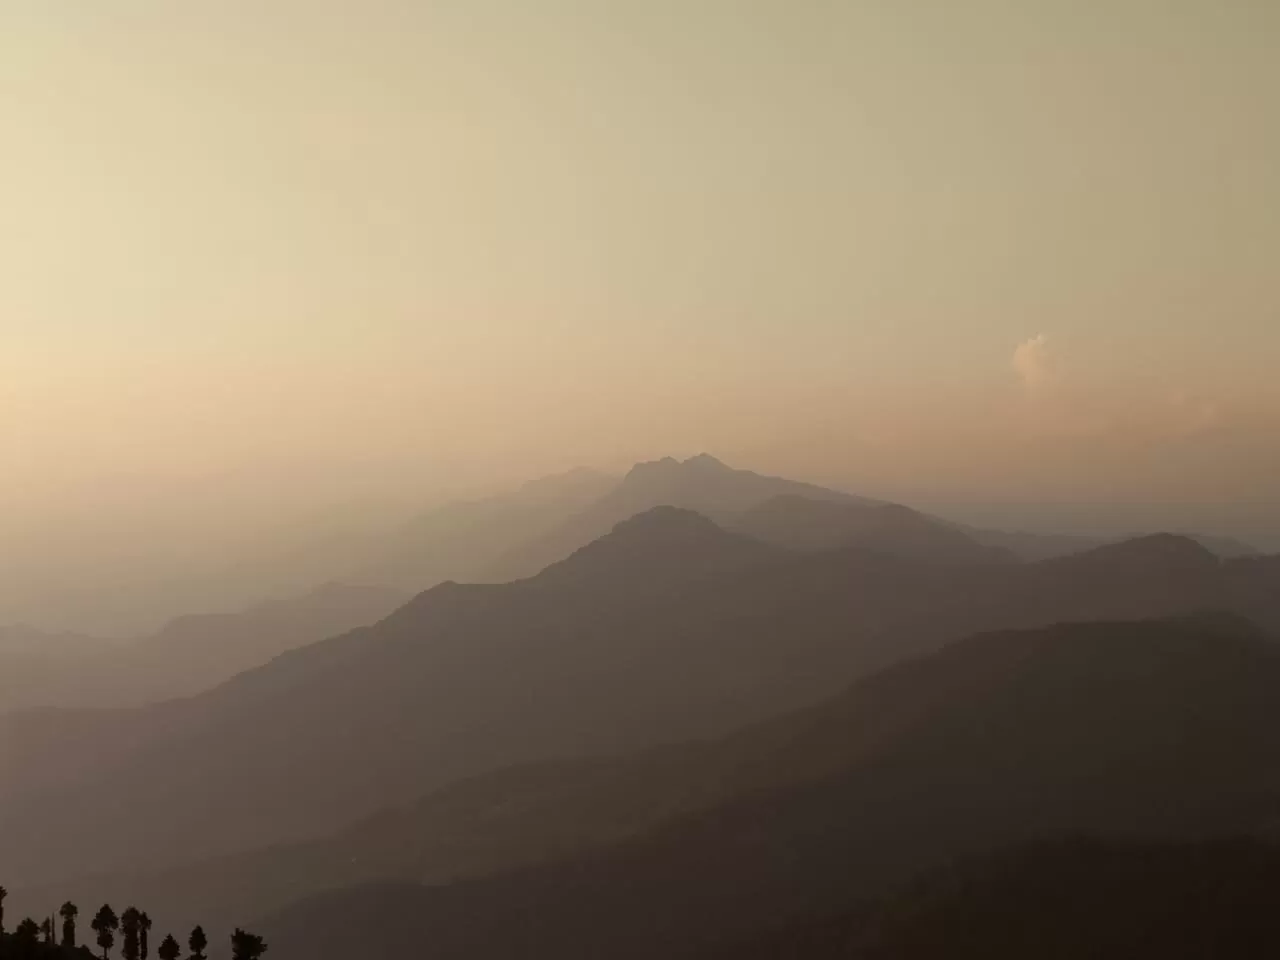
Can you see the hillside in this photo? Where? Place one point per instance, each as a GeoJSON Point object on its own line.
{"type": "Point", "coordinates": [550, 811]}
{"type": "Point", "coordinates": [1162, 730]}
{"type": "Point", "coordinates": [667, 630]}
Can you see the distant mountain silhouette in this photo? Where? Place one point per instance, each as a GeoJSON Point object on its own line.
{"type": "Point", "coordinates": [701, 483]}
{"type": "Point", "coordinates": [513, 536]}
{"type": "Point", "coordinates": [1154, 731]}
{"type": "Point", "coordinates": [186, 656]}
{"type": "Point", "coordinates": [463, 540]}
{"type": "Point", "coordinates": [801, 523]}
{"type": "Point", "coordinates": [1105, 900]}
{"type": "Point", "coordinates": [668, 629]}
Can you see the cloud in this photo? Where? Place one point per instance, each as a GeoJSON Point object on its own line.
{"type": "Point", "coordinates": [1033, 363]}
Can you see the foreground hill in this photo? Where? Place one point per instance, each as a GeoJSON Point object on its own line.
{"type": "Point", "coordinates": [186, 656]}
{"type": "Point", "coordinates": [1159, 730]}
{"type": "Point", "coordinates": [947, 728]}
{"type": "Point", "coordinates": [1061, 901]}
{"type": "Point", "coordinates": [669, 629]}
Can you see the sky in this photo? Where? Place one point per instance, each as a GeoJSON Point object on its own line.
{"type": "Point", "coordinates": [260, 261]}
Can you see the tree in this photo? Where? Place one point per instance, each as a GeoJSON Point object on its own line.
{"type": "Point", "coordinates": [198, 942]}
{"type": "Point", "coordinates": [69, 912]}
{"type": "Point", "coordinates": [3, 893]}
{"type": "Point", "coordinates": [105, 924]}
{"type": "Point", "coordinates": [130, 921]}
{"type": "Point", "coordinates": [144, 932]}
{"type": "Point", "coordinates": [169, 949]}
{"type": "Point", "coordinates": [46, 930]}
{"type": "Point", "coordinates": [28, 931]}
{"type": "Point", "coordinates": [246, 946]}
{"type": "Point", "coordinates": [27, 939]}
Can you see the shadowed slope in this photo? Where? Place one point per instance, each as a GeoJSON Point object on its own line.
{"type": "Point", "coordinates": [1151, 729]}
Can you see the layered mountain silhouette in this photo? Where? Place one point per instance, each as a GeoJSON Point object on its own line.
{"type": "Point", "coordinates": [1145, 731]}
{"type": "Point", "coordinates": [804, 524]}
{"type": "Point", "coordinates": [186, 656]}
{"type": "Point", "coordinates": [514, 536]}
{"type": "Point", "coordinates": [701, 483]}
{"type": "Point", "coordinates": [464, 540]}
{"type": "Point", "coordinates": [670, 628]}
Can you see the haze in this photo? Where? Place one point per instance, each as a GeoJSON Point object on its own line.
{"type": "Point", "coordinates": [281, 274]}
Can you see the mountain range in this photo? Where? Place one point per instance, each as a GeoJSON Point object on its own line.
{"type": "Point", "coordinates": [186, 656]}
{"type": "Point", "coordinates": [493, 746]}
{"type": "Point", "coordinates": [1153, 731]}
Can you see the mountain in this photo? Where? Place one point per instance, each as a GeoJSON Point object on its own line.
{"type": "Point", "coordinates": [800, 523]}
{"type": "Point", "coordinates": [702, 484]}
{"type": "Point", "coordinates": [523, 815]}
{"type": "Point", "coordinates": [1107, 900]}
{"type": "Point", "coordinates": [669, 629]}
{"type": "Point", "coordinates": [1146, 731]}
{"type": "Point", "coordinates": [186, 656]}
{"type": "Point", "coordinates": [463, 679]}
{"type": "Point", "coordinates": [463, 540]}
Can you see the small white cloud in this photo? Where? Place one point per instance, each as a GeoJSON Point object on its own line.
{"type": "Point", "coordinates": [1033, 362]}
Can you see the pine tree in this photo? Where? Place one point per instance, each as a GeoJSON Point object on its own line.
{"type": "Point", "coordinates": [69, 912]}
{"type": "Point", "coordinates": [246, 946]}
{"type": "Point", "coordinates": [169, 949]}
{"type": "Point", "coordinates": [198, 943]}
{"type": "Point", "coordinates": [130, 921]}
{"type": "Point", "coordinates": [105, 924]}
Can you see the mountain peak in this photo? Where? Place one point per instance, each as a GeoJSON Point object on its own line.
{"type": "Point", "coordinates": [658, 545]}
{"type": "Point", "coordinates": [1161, 548]}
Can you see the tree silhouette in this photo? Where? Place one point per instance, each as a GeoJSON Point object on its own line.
{"type": "Point", "coordinates": [46, 930]}
{"type": "Point", "coordinates": [169, 949]}
{"type": "Point", "coordinates": [27, 938]}
{"type": "Point", "coordinates": [27, 930]}
{"type": "Point", "coordinates": [144, 932]}
{"type": "Point", "coordinates": [105, 924]}
{"type": "Point", "coordinates": [246, 946]}
{"type": "Point", "coordinates": [130, 921]}
{"type": "Point", "coordinates": [69, 912]}
{"type": "Point", "coordinates": [198, 942]}
{"type": "Point", "coordinates": [3, 893]}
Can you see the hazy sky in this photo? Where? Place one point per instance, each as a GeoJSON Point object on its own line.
{"type": "Point", "coordinates": [258, 252]}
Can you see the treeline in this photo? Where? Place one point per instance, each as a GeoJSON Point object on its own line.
{"type": "Point", "coordinates": [58, 938]}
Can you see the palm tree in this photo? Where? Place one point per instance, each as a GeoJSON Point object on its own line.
{"type": "Point", "coordinates": [69, 912]}
{"type": "Point", "coordinates": [246, 946]}
{"type": "Point", "coordinates": [144, 929]}
{"type": "Point", "coordinates": [198, 942]}
{"type": "Point", "coordinates": [130, 920]}
{"type": "Point", "coordinates": [105, 924]}
{"type": "Point", "coordinates": [169, 949]}
{"type": "Point", "coordinates": [3, 893]}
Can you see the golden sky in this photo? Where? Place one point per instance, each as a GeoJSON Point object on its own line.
{"type": "Point", "coordinates": [315, 249]}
